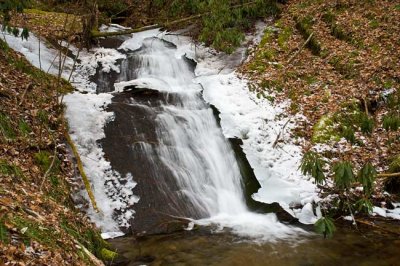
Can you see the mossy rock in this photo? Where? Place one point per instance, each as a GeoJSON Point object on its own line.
{"type": "Point", "coordinates": [394, 166]}
{"type": "Point", "coordinates": [324, 130]}
{"type": "Point", "coordinates": [108, 255]}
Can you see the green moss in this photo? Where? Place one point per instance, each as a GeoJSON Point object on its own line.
{"type": "Point", "coordinates": [4, 234]}
{"type": "Point", "coordinates": [324, 130]}
{"type": "Point", "coordinates": [346, 67]}
{"type": "Point", "coordinates": [304, 26]}
{"type": "Point", "coordinates": [394, 166]}
{"type": "Point", "coordinates": [24, 128]}
{"type": "Point", "coordinates": [283, 37]}
{"type": "Point", "coordinates": [89, 238]}
{"type": "Point", "coordinates": [10, 169]}
{"type": "Point", "coordinates": [35, 231]}
{"type": "Point", "coordinates": [108, 255]}
{"type": "Point", "coordinates": [374, 24]}
{"type": "Point", "coordinates": [6, 128]}
{"type": "Point", "coordinates": [43, 159]}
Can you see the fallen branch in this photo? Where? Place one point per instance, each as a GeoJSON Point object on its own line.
{"type": "Point", "coordinates": [377, 227]}
{"type": "Point", "coordinates": [301, 48]}
{"type": "Point", "coordinates": [389, 175]}
{"type": "Point", "coordinates": [90, 255]}
{"type": "Point", "coordinates": [280, 133]}
{"type": "Point", "coordinates": [50, 167]}
{"type": "Point", "coordinates": [81, 170]}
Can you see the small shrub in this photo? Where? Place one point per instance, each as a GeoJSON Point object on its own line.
{"type": "Point", "coordinates": [325, 226]}
{"type": "Point", "coordinates": [366, 176]}
{"type": "Point", "coordinates": [313, 165]}
{"type": "Point", "coordinates": [348, 133]}
{"type": "Point", "coordinates": [344, 176]}
{"type": "Point", "coordinates": [364, 205]}
{"type": "Point", "coordinates": [366, 123]}
{"type": "Point", "coordinates": [391, 122]}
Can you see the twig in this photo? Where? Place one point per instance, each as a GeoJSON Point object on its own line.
{"type": "Point", "coordinates": [52, 63]}
{"type": "Point", "coordinates": [280, 133]}
{"type": "Point", "coordinates": [50, 167]}
{"type": "Point", "coordinates": [301, 48]}
{"type": "Point", "coordinates": [23, 94]}
{"type": "Point", "coordinates": [365, 105]}
{"type": "Point", "coordinates": [40, 60]}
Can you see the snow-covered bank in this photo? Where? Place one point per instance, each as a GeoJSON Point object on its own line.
{"type": "Point", "coordinates": [86, 118]}
{"type": "Point", "coordinates": [258, 123]}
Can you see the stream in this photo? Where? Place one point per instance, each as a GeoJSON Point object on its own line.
{"type": "Point", "coordinates": [182, 164]}
{"type": "Point", "coordinates": [169, 139]}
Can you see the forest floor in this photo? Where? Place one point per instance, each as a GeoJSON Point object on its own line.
{"type": "Point", "coordinates": [338, 64]}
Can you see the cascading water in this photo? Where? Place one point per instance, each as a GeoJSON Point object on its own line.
{"type": "Point", "coordinates": [190, 144]}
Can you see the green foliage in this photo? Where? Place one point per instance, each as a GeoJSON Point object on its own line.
{"type": "Point", "coordinates": [344, 175]}
{"type": "Point", "coordinates": [24, 128]}
{"type": "Point", "coordinates": [348, 134]}
{"type": "Point", "coordinates": [10, 169]}
{"type": "Point", "coordinates": [394, 166]}
{"type": "Point", "coordinates": [91, 239]}
{"type": "Point", "coordinates": [4, 234]}
{"type": "Point", "coordinates": [366, 123]}
{"type": "Point", "coordinates": [313, 164]}
{"type": "Point", "coordinates": [344, 66]}
{"type": "Point", "coordinates": [366, 176]}
{"type": "Point", "coordinates": [391, 122]}
{"type": "Point", "coordinates": [112, 8]}
{"type": "Point", "coordinates": [7, 7]}
{"type": "Point", "coordinates": [224, 21]}
{"type": "Point", "coordinates": [325, 130]}
{"type": "Point", "coordinates": [108, 255]}
{"type": "Point", "coordinates": [6, 129]}
{"type": "Point", "coordinates": [325, 226]}
{"type": "Point", "coordinates": [44, 159]}
{"type": "Point", "coordinates": [329, 17]}
{"type": "Point", "coordinates": [364, 205]}
{"type": "Point", "coordinates": [35, 231]}
{"type": "Point", "coordinates": [283, 37]}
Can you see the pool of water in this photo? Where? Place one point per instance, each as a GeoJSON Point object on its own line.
{"type": "Point", "coordinates": [348, 247]}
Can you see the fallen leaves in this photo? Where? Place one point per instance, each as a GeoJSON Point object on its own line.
{"type": "Point", "coordinates": [359, 59]}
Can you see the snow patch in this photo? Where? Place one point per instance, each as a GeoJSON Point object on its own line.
{"type": "Point", "coordinates": [87, 116]}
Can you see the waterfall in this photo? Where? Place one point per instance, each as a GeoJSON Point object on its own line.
{"type": "Point", "coordinates": [190, 143]}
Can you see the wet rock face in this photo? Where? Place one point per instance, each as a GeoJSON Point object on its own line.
{"type": "Point", "coordinates": [129, 144]}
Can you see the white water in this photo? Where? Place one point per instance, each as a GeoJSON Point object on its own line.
{"type": "Point", "coordinates": [193, 147]}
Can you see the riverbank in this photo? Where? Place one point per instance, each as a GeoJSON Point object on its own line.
{"type": "Point", "coordinates": [337, 64]}
{"type": "Point", "coordinates": [39, 222]}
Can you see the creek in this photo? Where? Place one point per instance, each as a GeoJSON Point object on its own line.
{"type": "Point", "coordinates": [169, 139]}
